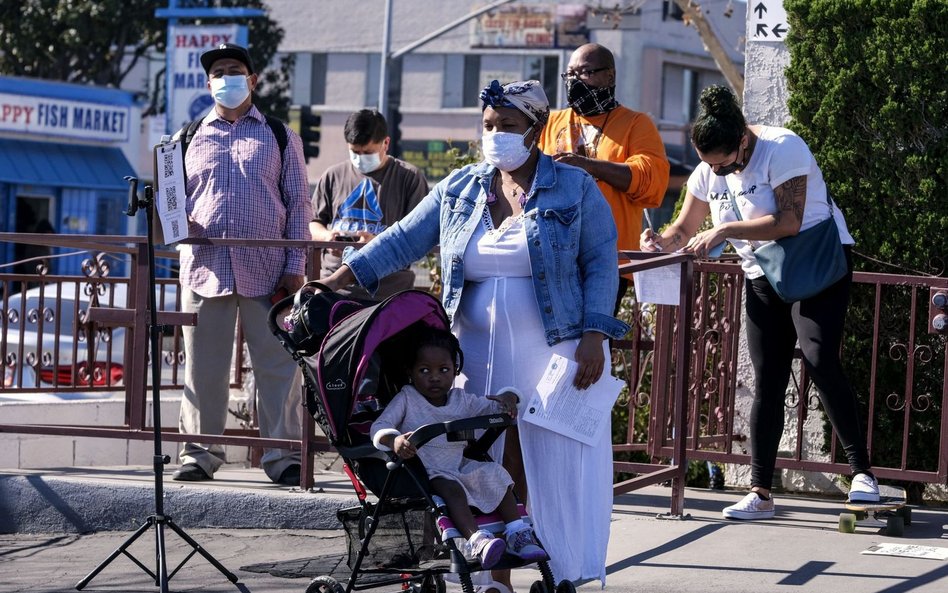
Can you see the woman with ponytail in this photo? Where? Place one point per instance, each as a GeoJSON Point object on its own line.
{"type": "Point", "coordinates": [770, 176]}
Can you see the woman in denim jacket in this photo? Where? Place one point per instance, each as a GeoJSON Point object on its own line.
{"type": "Point", "coordinates": [529, 267]}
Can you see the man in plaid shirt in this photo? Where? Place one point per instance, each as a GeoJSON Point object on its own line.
{"type": "Point", "coordinates": [239, 186]}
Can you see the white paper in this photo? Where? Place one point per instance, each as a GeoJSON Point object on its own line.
{"type": "Point", "coordinates": [170, 194]}
{"type": "Point", "coordinates": [661, 286]}
{"type": "Point", "coordinates": [559, 406]}
{"type": "Point", "coordinates": [907, 551]}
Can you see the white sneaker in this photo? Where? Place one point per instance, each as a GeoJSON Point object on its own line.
{"type": "Point", "coordinates": [864, 488]}
{"type": "Point", "coordinates": [750, 507]}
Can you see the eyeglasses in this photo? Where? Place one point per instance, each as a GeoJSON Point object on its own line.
{"type": "Point", "coordinates": [582, 73]}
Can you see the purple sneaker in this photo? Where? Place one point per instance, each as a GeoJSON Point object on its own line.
{"type": "Point", "coordinates": [488, 550]}
{"type": "Point", "coordinates": [523, 544]}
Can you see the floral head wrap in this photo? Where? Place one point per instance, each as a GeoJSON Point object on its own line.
{"type": "Point", "coordinates": [525, 95]}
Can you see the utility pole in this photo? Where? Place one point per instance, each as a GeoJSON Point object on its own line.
{"type": "Point", "coordinates": [386, 50]}
{"type": "Point", "coordinates": [388, 56]}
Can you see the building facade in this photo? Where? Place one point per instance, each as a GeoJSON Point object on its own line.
{"type": "Point", "coordinates": [64, 151]}
{"type": "Point", "coordinates": [661, 64]}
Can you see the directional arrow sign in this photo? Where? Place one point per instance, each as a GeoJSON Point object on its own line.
{"type": "Point", "coordinates": [766, 21]}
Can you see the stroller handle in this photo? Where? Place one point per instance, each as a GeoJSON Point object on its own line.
{"type": "Point", "coordinates": [493, 424]}
{"type": "Point", "coordinates": [427, 432]}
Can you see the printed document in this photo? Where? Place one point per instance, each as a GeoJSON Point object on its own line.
{"type": "Point", "coordinates": [661, 286]}
{"type": "Point", "coordinates": [170, 193]}
{"type": "Point", "coordinates": [559, 406]}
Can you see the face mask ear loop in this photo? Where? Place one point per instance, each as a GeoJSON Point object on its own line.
{"type": "Point", "coordinates": [534, 142]}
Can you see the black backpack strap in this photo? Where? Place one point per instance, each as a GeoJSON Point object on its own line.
{"type": "Point", "coordinates": [186, 134]}
{"type": "Point", "coordinates": [279, 132]}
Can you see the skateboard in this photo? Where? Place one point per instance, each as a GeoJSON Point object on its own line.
{"type": "Point", "coordinates": [890, 508]}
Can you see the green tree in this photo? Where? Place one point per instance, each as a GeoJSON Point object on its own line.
{"type": "Point", "coordinates": [868, 94]}
{"type": "Point", "coordinates": [100, 41]}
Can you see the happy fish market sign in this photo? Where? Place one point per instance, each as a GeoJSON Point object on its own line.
{"type": "Point", "coordinates": [59, 117]}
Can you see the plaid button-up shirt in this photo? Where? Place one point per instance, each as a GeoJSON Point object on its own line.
{"type": "Point", "coordinates": [234, 191]}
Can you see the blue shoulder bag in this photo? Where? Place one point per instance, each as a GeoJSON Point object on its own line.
{"type": "Point", "coordinates": [805, 264]}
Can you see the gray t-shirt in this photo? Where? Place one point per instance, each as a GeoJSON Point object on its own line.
{"type": "Point", "coordinates": [348, 200]}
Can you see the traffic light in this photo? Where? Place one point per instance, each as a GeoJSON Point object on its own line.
{"type": "Point", "coordinates": [305, 122]}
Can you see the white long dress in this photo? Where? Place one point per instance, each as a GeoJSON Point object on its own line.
{"type": "Point", "coordinates": [501, 333]}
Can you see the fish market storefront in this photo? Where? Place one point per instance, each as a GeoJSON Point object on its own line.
{"type": "Point", "coordinates": [64, 151]}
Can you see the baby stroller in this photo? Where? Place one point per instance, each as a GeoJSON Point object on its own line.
{"type": "Point", "coordinates": [405, 537]}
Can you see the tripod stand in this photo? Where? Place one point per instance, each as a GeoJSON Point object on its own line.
{"type": "Point", "coordinates": [159, 520]}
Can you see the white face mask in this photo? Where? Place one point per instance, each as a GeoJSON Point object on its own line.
{"type": "Point", "coordinates": [365, 163]}
{"type": "Point", "coordinates": [506, 150]}
{"type": "Point", "coordinates": [230, 91]}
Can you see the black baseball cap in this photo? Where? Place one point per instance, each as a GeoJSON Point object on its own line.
{"type": "Point", "coordinates": [226, 50]}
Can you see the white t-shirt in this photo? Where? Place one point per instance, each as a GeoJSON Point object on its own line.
{"type": "Point", "coordinates": [779, 155]}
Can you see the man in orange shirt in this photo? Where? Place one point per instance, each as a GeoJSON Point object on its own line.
{"type": "Point", "coordinates": [621, 148]}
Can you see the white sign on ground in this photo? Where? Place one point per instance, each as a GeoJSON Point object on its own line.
{"type": "Point", "coordinates": [907, 551]}
{"type": "Point", "coordinates": [766, 21]}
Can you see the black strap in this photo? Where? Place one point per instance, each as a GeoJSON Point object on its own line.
{"type": "Point", "coordinates": [276, 127]}
{"type": "Point", "coordinates": [829, 202]}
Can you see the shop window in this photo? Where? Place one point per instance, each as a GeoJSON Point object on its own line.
{"type": "Point", "coordinates": [681, 87]}
{"type": "Point", "coordinates": [546, 70]}
{"type": "Point", "coordinates": [308, 83]}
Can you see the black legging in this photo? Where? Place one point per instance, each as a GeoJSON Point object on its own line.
{"type": "Point", "coordinates": [773, 328]}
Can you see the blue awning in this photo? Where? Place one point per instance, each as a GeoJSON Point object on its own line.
{"type": "Point", "coordinates": [63, 165]}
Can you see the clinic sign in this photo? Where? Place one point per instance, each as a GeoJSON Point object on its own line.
{"type": "Point", "coordinates": [189, 98]}
{"type": "Point", "coordinates": [48, 116]}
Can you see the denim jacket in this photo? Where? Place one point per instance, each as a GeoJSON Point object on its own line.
{"type": "Point", "coordinates": [571, 239]}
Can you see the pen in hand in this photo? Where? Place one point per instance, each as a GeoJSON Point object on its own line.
{"type": "Point", "coordinates": [650, 235]}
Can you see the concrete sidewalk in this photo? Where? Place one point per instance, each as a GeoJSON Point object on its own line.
{"type": "Point", "coordinates": [275, 539]}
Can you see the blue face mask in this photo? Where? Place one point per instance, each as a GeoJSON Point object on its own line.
{"type": "Point", "coordinates": [230, 91]}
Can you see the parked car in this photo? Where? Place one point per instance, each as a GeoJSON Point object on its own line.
{"type": "Point", "coordinates": [73, 354]}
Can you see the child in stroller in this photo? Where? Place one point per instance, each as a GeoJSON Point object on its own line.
{"type": "Point", "coordinates": [354, 359]}
{"type": "Point", "coordinates": [459, 481]}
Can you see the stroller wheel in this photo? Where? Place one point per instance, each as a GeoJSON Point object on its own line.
{"type": "Point", "coordinates": [566, 587]}
{"type": "Point", "coordinates": [325, 585]}
{"type": "Point", "coordinates": [539, 587]}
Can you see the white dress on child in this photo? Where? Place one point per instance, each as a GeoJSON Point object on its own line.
{"type": "Point", "coordinates": [484, 483]}
{"type": "Point", "coordinates": [501, 333]}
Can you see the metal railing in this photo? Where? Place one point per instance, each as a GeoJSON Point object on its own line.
{"type": "Point", "coordinates": [673, 416]}
{"type": "Point", "coordinates": [895, 359]}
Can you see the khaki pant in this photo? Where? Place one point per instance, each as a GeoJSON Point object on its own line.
{"type": "Point", "coordinates": [208, 348]}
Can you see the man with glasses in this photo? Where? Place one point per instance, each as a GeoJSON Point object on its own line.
{"type": "Point", "coordinates": [621, 148]}
{"type": "Point", "coordinates": [240, 185]}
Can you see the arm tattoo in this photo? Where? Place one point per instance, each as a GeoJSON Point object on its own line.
{"type": "Point", "coordinates": [675, 239]}
{"type": "Point", "coordinates": [791, 198]}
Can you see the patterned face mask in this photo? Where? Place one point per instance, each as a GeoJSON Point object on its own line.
{"type": "Point", "coordinates": [587, 100]}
